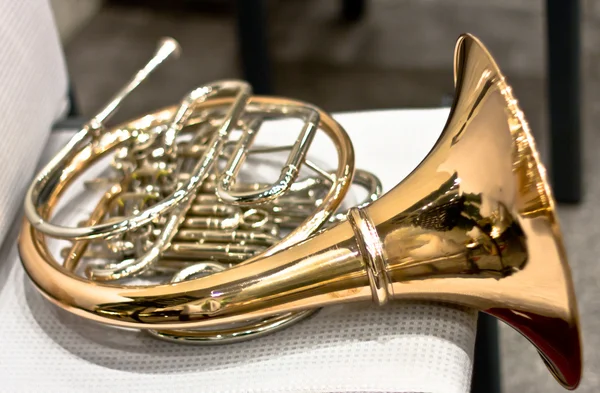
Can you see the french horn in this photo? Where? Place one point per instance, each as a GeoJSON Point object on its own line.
{"type": "Point", "coordinates": [474, 224]}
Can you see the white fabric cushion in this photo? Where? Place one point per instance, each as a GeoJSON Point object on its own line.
{"type": "Point", "coordinates": [34, 94]}
{"type": "Point", "coordinates": [404, 347]}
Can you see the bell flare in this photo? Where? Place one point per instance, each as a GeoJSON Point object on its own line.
{"type": "Point", "coordinates": [557, 341]}
{"type": "Point", "coordinates": [556, 338]}
{"type": "Point", "coordinates": [475, 222]}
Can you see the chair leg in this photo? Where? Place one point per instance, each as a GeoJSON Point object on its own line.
{"type": "Point", "coordinates": [564, 103]}
{"type": "Point", "coordinates": [486, 367]}
{"type": "Point", "coordinates": [353, 10]}
{"type": "Point", "coordinates": [253, 42]}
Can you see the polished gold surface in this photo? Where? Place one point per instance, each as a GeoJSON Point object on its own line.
{"type": "Point", "coordinates": [169, 213]}
{"type": "Point", "coordinates": [473, 224]}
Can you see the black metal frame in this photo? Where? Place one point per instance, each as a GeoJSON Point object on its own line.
{"type": "Point", "coordinates": [253, 44]}
{"type": "Point", "coordinates": [486, 363]}
{"type": "Point", "coordinates": [563, 31]}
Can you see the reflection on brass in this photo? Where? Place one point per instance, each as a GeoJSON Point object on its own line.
{"type": "Point", "coordinates": [473, 224]}
{"type": "Point", "coordinates": [170, 214]}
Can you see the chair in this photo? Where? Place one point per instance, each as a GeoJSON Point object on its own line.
{"type": "Point", "coordinates": [403, 347]}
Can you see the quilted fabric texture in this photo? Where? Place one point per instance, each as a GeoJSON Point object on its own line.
{"type": "Point", "coordinates": [34, 90]}
{"type": "Point", "coordinates": [404, 347]}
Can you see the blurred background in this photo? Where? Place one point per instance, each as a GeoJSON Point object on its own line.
{"type": "Point", "coordinates": [391, 54]}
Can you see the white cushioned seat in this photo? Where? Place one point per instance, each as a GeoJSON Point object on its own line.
{"type": "Point", "coordinates": [424, 347]}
